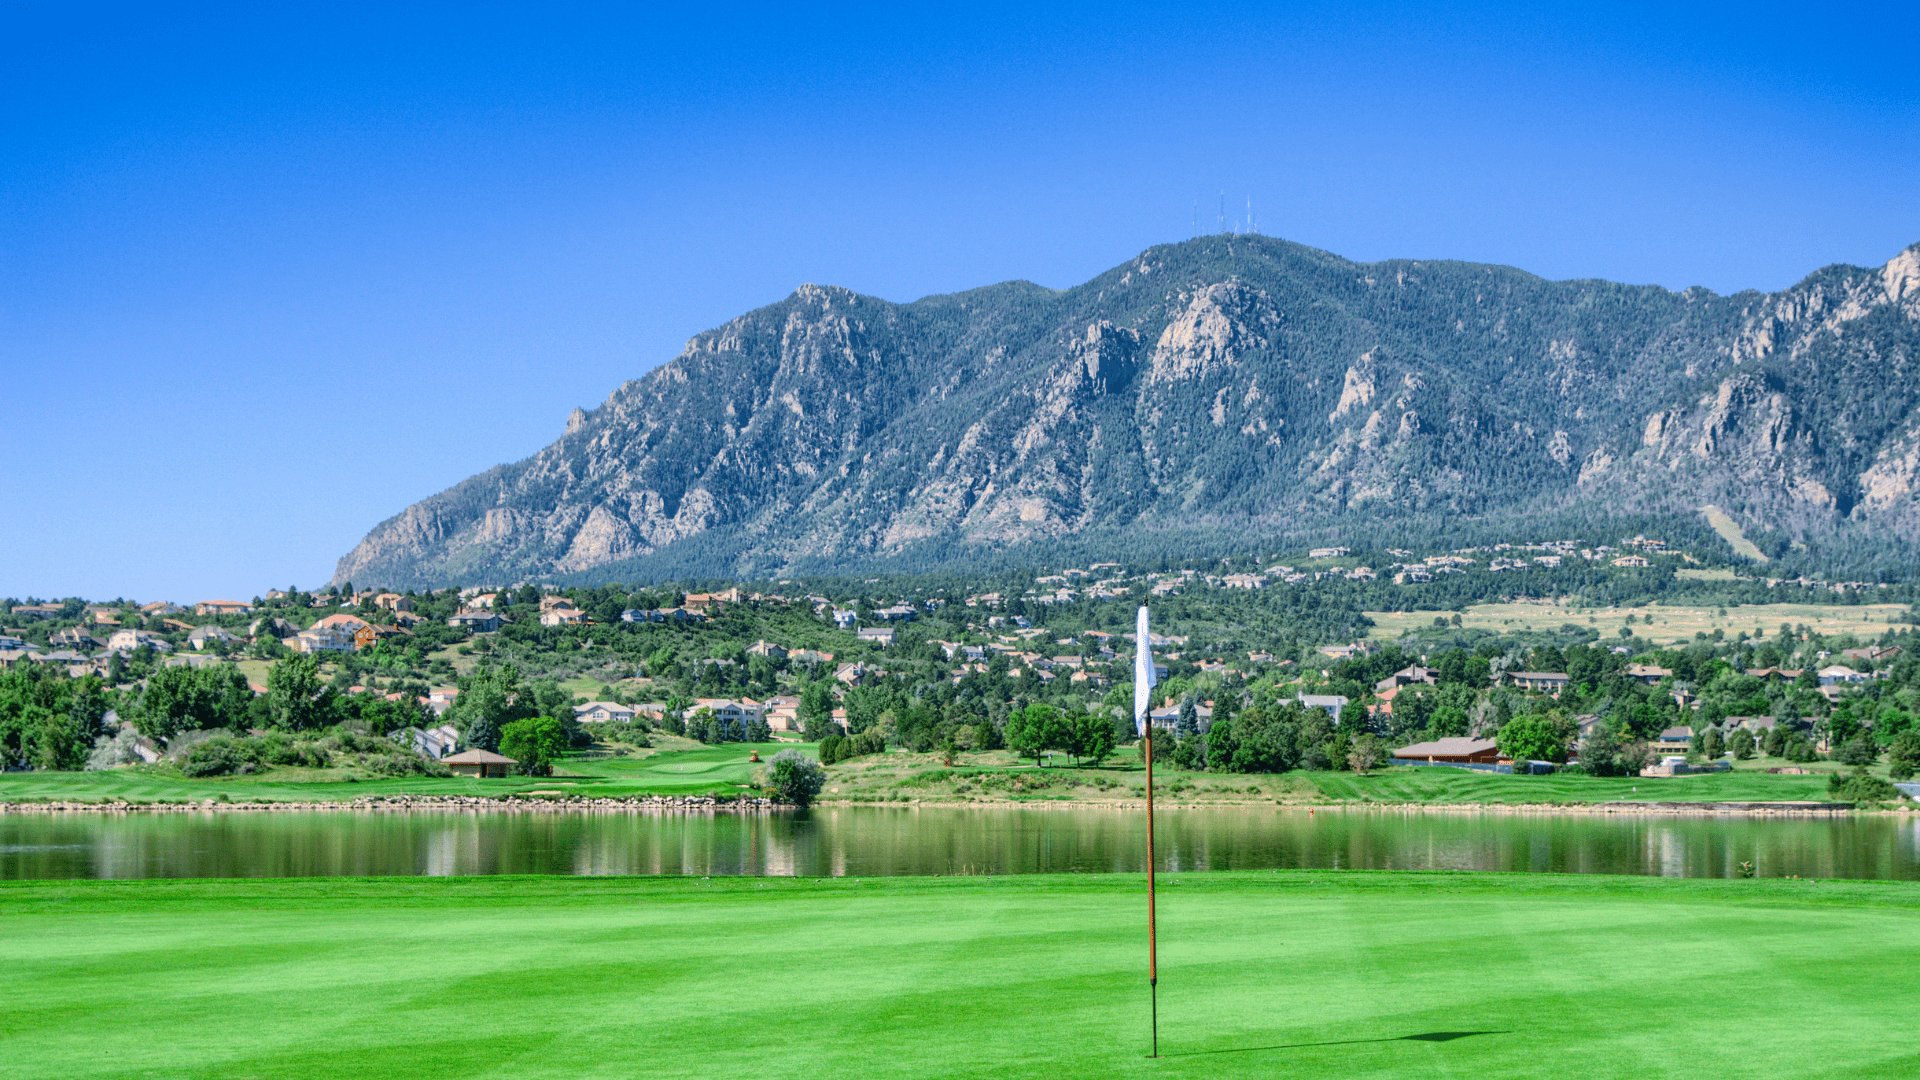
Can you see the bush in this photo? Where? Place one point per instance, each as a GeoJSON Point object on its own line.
{"type": "Point", "coordinates": [113, 751]}
{"type": "Point", "coordinates": [1861, 788]}
{"type": "Point", "coordinates": [221, 755]}
{"type": "Point", "coordinates": [1859, 751]}
{"type": "Point", "coordinates": [795, 778]}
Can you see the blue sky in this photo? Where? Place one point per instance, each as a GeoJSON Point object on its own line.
{"type": "Point", "coordinates": [268, 277]}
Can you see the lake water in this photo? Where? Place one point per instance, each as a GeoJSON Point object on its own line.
{"type": "Point", "coordinates": [873, 841]}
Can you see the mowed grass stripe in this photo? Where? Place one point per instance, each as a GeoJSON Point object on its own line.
{"type": "Point", "coordinates": [1301, 973]}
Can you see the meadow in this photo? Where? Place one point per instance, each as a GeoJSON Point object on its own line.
{"type": "Point", "coordinates": [1670, 623]}
{"type": "Point", "coordinates": [1305, 974]}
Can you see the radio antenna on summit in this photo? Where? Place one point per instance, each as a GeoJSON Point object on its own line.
{"type": "Point", "coordinates": [1220, 223]}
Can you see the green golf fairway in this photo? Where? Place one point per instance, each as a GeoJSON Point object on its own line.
{"type": "Point", "coordinates": [1299, 974]}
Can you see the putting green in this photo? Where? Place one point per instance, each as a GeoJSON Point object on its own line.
{"type": "Point", "coordinates": [1308, 974]}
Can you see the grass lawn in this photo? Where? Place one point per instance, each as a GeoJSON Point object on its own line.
{"type": "Point", "coordinates": [1671, 622]}
{"type": "Point", "coordinates": [1298, 974]}
{"type": "Point", "coordinates": [683, 767]}
{"type": "Point", "coordinates": [700, 770]}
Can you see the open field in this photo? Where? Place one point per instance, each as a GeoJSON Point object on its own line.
{"type": "Point", "coordinates": [1670, 623]}
{"type": "Point", "coordinates": [1303, 974]}
{"type": "Point", "coordinates": [686, 768]}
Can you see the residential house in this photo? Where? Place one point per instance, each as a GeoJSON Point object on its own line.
{"type": "Point", "coordinates": [478, 622]}
{"type": "Point", "coordinates": [810, 656]}
{"type": "Point", "coordinates": [1545, 682]}
{"type": "Point", "coordinates": [72, 637]}
{"type": "Point", "coordinates": [1260, 656]}
{"type": "Point", "coordinates": [1244, 581]}
{"type": "Point", "coordinates": [851, 674]}
{"type": "Point", "coordinates": [436, 743]}
{"type": "Point", "coordinates": [1788, 674]}
{"type": "Point", "coordinates": [343, 621]}
{"type": "Point", "coordinates": [845, 619]}
{"type": "Point", "coordinates": [783, 713]}
{"type": "Point", "coordinates": [124, 641]}
{"type": "Point", "coordinates": [767, 649]}
{"type": "Point", "coordinates": [159, 607]}
{"type": "Point", "coordinates": [728, 710]}
{"type": "Point", "coordinates": [1631, 560]}
{"type": "Point", "coordinates": [321, 638]}
{"type": "Point", "coordinates": [394, 602]}
{"type": "Point", "coordinates": [600, 712]}
{"type": "Point", "coordinates": [204, 636]}
{"type": "Point", "coordinates": [14, 643]}
{"type": "Point", "coordinates": [707, 603]}
{"type": "Point", "coordinates": [1674, 740]}
{"type": "Point", "coordinates": [37, 611]}
{"type": "Point", "coordinates": [879, 635]}
{"type": "Point", "coordinates": [275, 627]}
{"type": "Point", "coordinates": [221, 607]}
{"type": "Point", "coordinates": [1837, 674]}
{"type": "Point", "coordinates": [1332, 703]}
{"type": "Point", "coordinates": [896, 613]}
{"type": "Point", "coordinates": [1347, 652]}
{"type": "Point", "coordinates": [1407, 676]}
{"type": "Point", "coordinates": [1646, 673]}
{"type": "Point", "coordinates": [562, 616]}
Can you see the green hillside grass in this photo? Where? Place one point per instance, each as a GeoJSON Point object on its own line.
{"type": "Point", "coordinates": [1297, 974]}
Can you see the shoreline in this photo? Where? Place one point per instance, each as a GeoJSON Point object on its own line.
{"type": "Point", "coordinates": [543, 803]}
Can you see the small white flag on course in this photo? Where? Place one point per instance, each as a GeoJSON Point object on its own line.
{"type": "Point", "coordinates": [1144, 679]}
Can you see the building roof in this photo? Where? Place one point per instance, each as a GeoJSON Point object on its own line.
{"type": "Point", "coordinates": [1453, 746]}
{"type": "Point", "coordinates": [478, 757]}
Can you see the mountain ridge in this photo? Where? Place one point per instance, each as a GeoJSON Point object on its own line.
{"type": "Point", "coordinates": [1228, 383]}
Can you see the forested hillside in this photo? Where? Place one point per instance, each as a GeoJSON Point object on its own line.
{"type": "Point", "coordinates": [1203, 394]}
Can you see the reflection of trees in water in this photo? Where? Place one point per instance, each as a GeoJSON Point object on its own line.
{"type": "Point", "coordinates": [874, 841]}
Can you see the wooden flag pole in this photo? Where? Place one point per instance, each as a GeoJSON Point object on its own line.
{"type": "Point", "coordinates": [1153, 968]}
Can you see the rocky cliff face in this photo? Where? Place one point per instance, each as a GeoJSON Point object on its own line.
{"type": "Point", "coordinates": [1227, 383]}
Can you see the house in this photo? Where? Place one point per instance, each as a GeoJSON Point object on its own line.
{"type": "Point", "coordinates": [879, 635]}
{"type": "Point", "coordinates": [1407, 676]}
{"type": "Point", "coordinates": [851, 674]}
{"type": "Point", "coordinates": [1244, 581]}
{"type": "Point", "coordinates": [479, 763]}
{"type": "Point", "coordinates": [1789, 674]}
{"type": "Point", "coordinates": [1260, 656]}
{"type": "Point", "coordinates": [1167, 716]}
{"type": "Point", "coordinates": [1674, 740]}
{"type": "Point", "coordinates": [124, 641]}
{"type": "Point", "coordinates": [845, 619]}
{"type": "Point", "coordinates": [275, 627]}
{"type": "Point", "coordinates": [72, 637]}
{"type": "Point", "coordinates": [1872, 654]}
{"type": "Point", "coordinates": [810, 656]}
{"type": "Point", "coordinates": [1546, 682]}
{"type": "Point", "coordinates": [1347, 652]}
{"type": "Point", "coordinates": [436, 743]}
{"type": "Point", "coordinates": [478, 622]}
{"type": "Point", "coordinates": [176, 626]}
{"type": "Point", "coordinates": [783, 713]}
{"type": "Point", "coordinates": [600, 712]}
{"type": "Point", "coordinates": [1836, 674]}
{"type": "Point", "coordinates": [727, 710]}
{"type": "Point", "coordinates": [158, 607]}
{"type": "Point", "coordinates": [319, 639]}
{"type": "Point", "coordinates": [1631, 560]}
{"type": "Point", "coordinates": [38, 611]}
{"type": "Point", "coordinates": [1759, 725]}
{"type": "Point", "coordinates": [896, 613]}
{"type": "Point", "coordinates": [204, 636]}
{"type": "Point", "coordinates": [1332, 703]}
{"type": "Point", "coordinates": [394, 602]}
{"type": "Point", "coordinates": [1456, 751]}
{"type": "Point", "coordinates": [562, 616]}
{"type": "Point", "coordinates": [1646, 673]}
{"type": "Point", "coordinates": [705, 603]}
{"type": "Point", "coordinates": [221, 607]}
{"type": "Point", "coordinates": [767, 649]}
{"type": "Point", "coordinates": [15, 643]}
{"type": "Point", "coordinates": [342, 621]}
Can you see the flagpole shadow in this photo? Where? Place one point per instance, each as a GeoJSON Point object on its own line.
{"type": "Point", "coordinates": [1425, 1036]}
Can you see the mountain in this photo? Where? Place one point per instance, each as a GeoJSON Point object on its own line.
{"type": "Point", "coordinates": [1204, 393]}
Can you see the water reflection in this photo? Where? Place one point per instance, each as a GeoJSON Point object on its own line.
{"type": "Point", "coordinates": [865, 841]}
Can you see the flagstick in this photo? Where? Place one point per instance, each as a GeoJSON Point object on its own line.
{"type": "Point", "coordinates": [1153, 968]}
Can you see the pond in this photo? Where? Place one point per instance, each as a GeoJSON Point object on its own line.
{"type": "Point", "coordinates": [873, 841]}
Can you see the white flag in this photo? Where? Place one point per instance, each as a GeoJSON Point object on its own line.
{"type": "Point", "coordinates": [1144, 679]}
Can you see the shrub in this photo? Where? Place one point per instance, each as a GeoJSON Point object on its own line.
{"type": "Point", "coordinates": [1861, 788]}
{"type": "Point", "coordinates": [795, 778]}
{"type": "Point", "coordinates": [1859, 751]}
{"type": "Point", "coordinates": [221, 755]}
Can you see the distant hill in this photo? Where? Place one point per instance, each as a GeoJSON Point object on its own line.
{"type": "Point", "coordinates": [1227, 390]}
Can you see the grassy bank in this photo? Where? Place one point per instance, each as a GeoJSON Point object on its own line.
{"type": "Point", "coordinates": [685, 768]}
{"type": "Point", "coordinates": [1290, 973]}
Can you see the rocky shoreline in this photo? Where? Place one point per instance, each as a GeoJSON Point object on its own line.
{"type": "Point", "coordinates": [515, 802]}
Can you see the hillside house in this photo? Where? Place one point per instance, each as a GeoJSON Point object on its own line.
{"type": "Point", "coordinates": [394, 602]}
{"type": "Point", "coordinates": [1332, 703]}
{"type": "Point", "coordinates": [205, 636]}
{"type": "Point", "coordinates": [1543, 682]}
{"type": "Point", "coordinates": [600, 712]}
{"type": "Point", "coordinates": [767, 649]}
{"type": "Point", "coordinates": [478, 622]}
{"type": "Point", "coordinates": [322, 639]}
{"type": "Point", "coordinates": [1646, 673]}
{"type": "Point", "coordinates": [124, 641]}
{"type": "Point", "coordinates": [879, 635]}
{"type": "Point", "coordinates": [1674, 740]}
{"type": "Point", "coordinates": [562, 616]}
{"type": "Point", "coordinates": [221, 607]}
{"type": "Point", "coordinates": [1407, 676]}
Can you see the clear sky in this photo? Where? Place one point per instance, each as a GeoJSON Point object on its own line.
{"type": "Point", "coordinates": [266, 277]}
